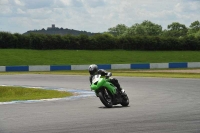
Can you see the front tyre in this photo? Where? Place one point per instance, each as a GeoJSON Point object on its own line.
{"type": "Point", "coordinates": [105, 99]}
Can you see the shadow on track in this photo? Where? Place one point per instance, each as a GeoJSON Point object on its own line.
{"type": "Point", "coordinates": [114, 107]}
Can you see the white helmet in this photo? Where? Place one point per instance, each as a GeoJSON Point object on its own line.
{"type": "Point", "coordinates": [93, 69]}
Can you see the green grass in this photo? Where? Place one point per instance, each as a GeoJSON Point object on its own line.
{"type": "Point", "coordinates": [8, 93]}
{"type": "Point", "coordinates": [13, 57]}
{"type": "Point", "coordinates": [126, 73]}
{"type": "Point", "coordinates": [159, 74]}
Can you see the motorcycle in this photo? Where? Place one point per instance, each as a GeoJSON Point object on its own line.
{"type": "Point", "coordinates": [107, 92]}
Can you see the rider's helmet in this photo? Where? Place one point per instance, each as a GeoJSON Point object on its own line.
{"type": "Point", "coordinates": [93, 69]}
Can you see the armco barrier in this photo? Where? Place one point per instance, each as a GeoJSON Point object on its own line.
{"type": "Point", "coordinates": [101, 66]}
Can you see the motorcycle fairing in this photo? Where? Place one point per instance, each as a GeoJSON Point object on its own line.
{"type": "Point", "coordinates": [99, 81]}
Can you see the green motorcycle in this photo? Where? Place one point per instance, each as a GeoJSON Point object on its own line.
{"type": "Point", "coordinates": [107, 92]}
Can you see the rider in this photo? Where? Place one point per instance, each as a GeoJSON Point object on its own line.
{"type": "Point", "coordinates": [93, 70]}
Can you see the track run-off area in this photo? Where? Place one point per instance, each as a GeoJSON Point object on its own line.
{"type": "Point", "coordinates": [157, 105]}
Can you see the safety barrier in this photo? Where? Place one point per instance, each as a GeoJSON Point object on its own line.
{"type": "Point", "coordinates": [101, 66]}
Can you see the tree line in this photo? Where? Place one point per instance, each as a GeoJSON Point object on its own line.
{"type": "Point", "coordinates": [144, 36]}
{"type": "Point", "coordinates": [59, 31]}
{"type": "Point", "coordinates": [148, 28]}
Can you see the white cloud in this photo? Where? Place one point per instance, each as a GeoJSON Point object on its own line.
{"type": "Point", "coordinates": [5, 10]}
{"type": "Point", "coordinates": [18, 2]}
{"type": "Point", "coordinates": [94, 3]}
{"type": "Point", "coordinates": [35, 4]}
{"type": "Point", "coordinates": [3, 2]}
{"type": "Point", "coordinates": [72, 3]}
{"type": "Point", "coordinates": [20, 11]}
{"type": "Point", "coordinates": [178, 7]}
{"type": "Point", "coordinates": [62, 3]}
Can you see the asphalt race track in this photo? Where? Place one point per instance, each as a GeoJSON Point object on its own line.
{"type": "Point", "coordinates": [157, 105]}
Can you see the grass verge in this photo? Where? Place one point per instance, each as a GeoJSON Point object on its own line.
{"type": "Point", "coordinates": [126, 73]}
{"type": "Point", "coordinates": [16, 57]}
{"type": "Point", "coordinates": [8, 93]}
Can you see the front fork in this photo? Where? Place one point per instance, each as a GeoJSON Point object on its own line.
{"type": "Point", "coordinates": [104, 89]}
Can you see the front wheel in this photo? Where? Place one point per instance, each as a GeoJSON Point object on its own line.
{"type": "Point", "coordinates": [105, 98]}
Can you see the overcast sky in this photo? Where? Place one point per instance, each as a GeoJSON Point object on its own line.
{"type": "Point", "coordinates": [93, 15]}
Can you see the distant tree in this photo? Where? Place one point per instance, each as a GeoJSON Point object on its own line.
{"type": "Point", "coordinates": [194, 28]}
{"type": "Point", "coordinates": [139, 29]}
{"type": "Point", "coordinates": [197, 34]}
{"type": "Point", "coordinates": [151, 29]}
{"type": "Point", "coordinates": [166, 33]}
{"type": "Point", "coordinates": [176, 30]}
{"type": "Point", "coordinates": [195, 25]}
{"type": "Point", "coordinates": [132, 30]}
{"type": "Point", "coordinates": [145, 28]}
{"type": "Point", "coordinates": [59, 31]}
{"type": "Point", "coordinates": [120, 29]}
{"type": "Point", "coordinates": [108, 34]}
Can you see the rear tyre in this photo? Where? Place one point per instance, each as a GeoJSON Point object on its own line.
{"type": "Point", "coordinates": [106, 99]}
{"type": "Point", "coordinates": [125, 100]}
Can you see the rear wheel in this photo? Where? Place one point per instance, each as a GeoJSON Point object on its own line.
{"type": "Point", "coordinates": [105, 98]}
{"type": "Point", "coordinates": [125, 100]}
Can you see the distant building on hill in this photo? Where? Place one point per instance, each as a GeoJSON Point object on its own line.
{"type": "Point", "coordinates": [53, 30]}
{"type": "Point", "coordinates": [53, 27]}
